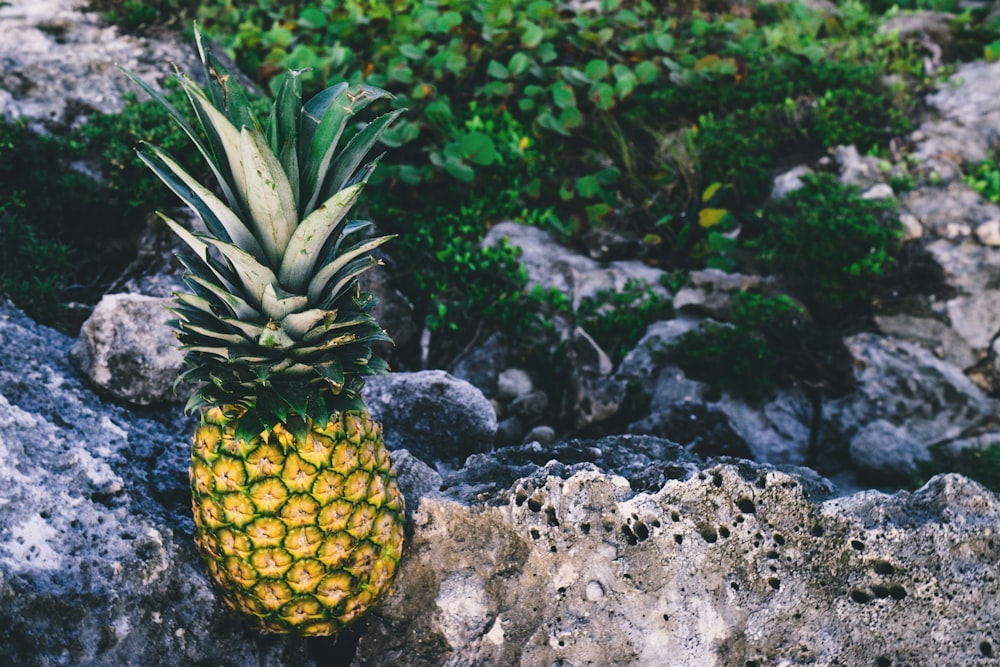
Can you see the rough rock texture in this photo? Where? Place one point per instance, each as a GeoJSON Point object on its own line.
{"type": "Point", "coordinates": [735, 565]}
{"type": "Point", "coordinates": [127, 351]}
{"type": "Point", "coordinates": [906, 386]}
{"type": "Point", "coordinates": [97, 563]}
{"type": "Point", "coordinates": [552, 265]}
{"type": "Point", "coordinates": [413, 407]}
{"type": "Point", "coordinates": [47, 47]}
{"type": "Point", "coordinates": [622, 551]}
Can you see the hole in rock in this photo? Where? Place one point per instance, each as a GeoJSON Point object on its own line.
{"type": "Point", "coordinates": [629, 535]}
{"type": "Point", "coordinates": [897, 592]}
{"type": "Point", "coordinates": [746, 506]}
{"type": "Point", "coordinates": [817, 530]}
{"type": "Point", "coordinates": [883, 568]}
{"type": "Point", "coordinates": [880, 591]}
{"type": "Point", "coordinates": [585, 528]}
{"type": "Point", "coordinates": [723, 531]}
{"type": "Point", "coordinates": [857, 545]}
{"type": "Point", "coordinates": [774, 583]}
{"type": "Point", "coordinates": [640, 530]}
{"type": "Point", "coordinates": [779, 539]}
{"type": "Point", "coordinates": [717, 479]}
{"type": "Point", "coordinates": [550, 515]}
{"type": "Point", "coordinates": [534, 505]}
{"type": "Point", "coordinates": [709, 535]}
{"type": "Point", "coordinates": [860, 597]}
{"type": "Point", "coordinates": [679, 539]}
{"type": "Point", "coordinates": [986, 649]}
{"type": "Point", "coordinates": [882, 661]}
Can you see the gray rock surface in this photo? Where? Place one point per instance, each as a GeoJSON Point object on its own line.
{"type": "Point", "coordinates": [97, 562]}
{"type": "Point", "coordinates": [48, 47]}
{"type": "Point", "coordinates": [612, 551]}
{"type": "Point", "coordinates": [905, 386]}
{"type": "Point", "coordinates": [551, 265]}
{"type": "Point", "coordinates": [434, 415]}
{"type": "Point", "coordinates": [889, 451]}
{"type": "Point", "coordinates": [127, 351]}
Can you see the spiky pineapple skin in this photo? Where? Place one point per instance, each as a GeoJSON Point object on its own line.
{"type": "Point", "coordinates": [301, 531]}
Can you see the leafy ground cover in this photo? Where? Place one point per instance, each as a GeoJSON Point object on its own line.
{"type": "Point", "coordinates": [658, 125]}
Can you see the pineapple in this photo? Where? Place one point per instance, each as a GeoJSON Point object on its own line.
{"type": "Point", "coordinates": [296, 506]}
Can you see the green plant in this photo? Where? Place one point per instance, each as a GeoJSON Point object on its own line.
{"type": "Point", "coordinates": [984, 178]}
{"type": "Point", "coordinates": [35, 268]}
{"type": "Point", "coordinates": [830, 244]}
{"type": "Point", "coordinates": [616, 320]}
{"type": "Point", "coordinates": [766, 344]}
{"type": "Point", "coordinates": [139, 16]}
{"type": "Point", "coordinates": [980, 462]}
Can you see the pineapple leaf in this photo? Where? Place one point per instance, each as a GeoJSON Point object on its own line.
{"type": "Point", "coordinates": [311, 236]}
{"type": "Point", "coordinates": [283, 125]}
{"type": "Point", "coordinates": [240, 309]}
{"type": "Point", "coordinates": [249, 426]}
{"type": "Point", "coordinates": [348, 279]}
{"type": "Point", "coordinates": [278, 304]}
{"type": "Point", "coordinates": [298, 324]}
{"type": "Point", "coordinates": [323, 143]}
{"type": "Point", "coordinates": [332, 372]}
{"type": "Point", "coordinates": [254, 275]}
{"type": "Point", "coordinates": [199, 247]}
{"type": "Point", "coordinates": [224, 139]}
{"type": "Point", "coordinates": [219, 218]}
{"type": "Point", "coordinates": [270, 201]}
{"type": "Point", "coordinates": [312, 113]}
{"type": "Point", "coordinates": [354, 153]}
{"type": "Point", "coordinates": [190, 132]}
{"type": "Point", "coordinates": [227, 93]}
{"type": "Point", "coordinates": [338, 265]}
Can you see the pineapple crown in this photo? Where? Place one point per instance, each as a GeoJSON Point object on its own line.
{"type": "Point", "coordinates": [276, 321]}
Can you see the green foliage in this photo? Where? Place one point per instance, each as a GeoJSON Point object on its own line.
{"type": "Point", "coordinates": [981, 463]}
{"type": "Point", "coordinates": [984, 178]}
{"type": "Point", "coordinates": [56, 230]}
{"type": "Point", "coordinates": [589, 113]}
{"type": "Point", "coordinates": [760, 348]}
{"type": "Point", "coordinates": [829, 243]}
{"type": "Point", "coordinates": [616, 320]}
{"type": "Point", "coordinates": [139, 16]}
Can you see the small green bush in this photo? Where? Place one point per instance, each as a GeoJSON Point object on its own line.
{"type": "Point", "coordinates": [140, 16]}
{"type": "Point", "coordinates": [616, 320]}
{"type": "Point", "coordinates": [764, 346]}
{"type": "Point", "coordinates": [830, 244]}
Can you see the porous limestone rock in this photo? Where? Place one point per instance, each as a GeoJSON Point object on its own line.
{"type": "Point", "coordinates": [737, 564]}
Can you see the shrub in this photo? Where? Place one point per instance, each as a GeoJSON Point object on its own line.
{"type": "Point", "coordinates": [830, 244]}
{"type": "Point", "coordinates": [616, 320]}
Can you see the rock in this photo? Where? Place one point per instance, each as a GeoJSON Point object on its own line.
{"type": "Point", "coordinates": [789, 181]}
{"type": "Point", "coordinates": [550, 265]}
{"type": "Point", "coordinates": [97, 561]}
{"type": "Point", "coordinates": [889, 451]}
{"type": "Point", "coordinates": [512, 383]}
{"type": "Point", "coordinates": [956, 205]}
{"type": "Point", "coordinates": [710, 292]}
{"type": "Point", "coordinates": [531, 406]}
{"type": "Point", "coordinates": [541, 434]}
{"type": "Point", "coordinates": [968, 125]}
{"type": "Point", "coordinates": [49, 46]}
{"type": "Point", "coordinates": [974, 272]}
{"type": "Point", "coordinates": [735, 564]}
{"type": "Point", "coordinates": [855, 169]}
{"type": "Point", "coordinates": [777, 432]}
{"type": "Point", "coordinates": [612, 551]}
{"type": "Point", "coordinates": [912, 229]}
{"type": "Point", "coordinates": [880, 191]}
{"type": "Point", "coordinates": [482, 364]}
{"type": "Point", "coordinates": [393, 310]}
{"type": "Point", "coordinates": [907, 387]}
{"type": "Point", "coordinates": [434, 415]}
{"type": "Point", "coordinates": [510, 431]}
{"type": "Point", "coordinates": [988, 233]}
{"type": "Point", "coordinates": [595, 395]}
{"type": "Point", "coordinates": [930, 333]}
{"type": "Point", "coordinates": [127, 351]}
{"type": "Point", "coordinates": [702, 430]}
